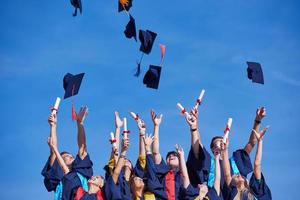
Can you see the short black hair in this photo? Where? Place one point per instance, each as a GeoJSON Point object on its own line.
{"type": "Point", "coordinates": [213, 139]}
{"type": "Point", "coordinates": [172, 152]}
{"type": "Point", "coordinates": [64, 152]}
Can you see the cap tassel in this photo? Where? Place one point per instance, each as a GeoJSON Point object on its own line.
{"type": "Point", "coordinates": [74, 114]}
{"type": "Point", "coordinates": [138, 69]}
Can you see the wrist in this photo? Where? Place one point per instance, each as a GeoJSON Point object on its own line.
{"type": "Point", "coordinates": [193, 129]}
{"type": "Point", "coordinates": [257, 121]}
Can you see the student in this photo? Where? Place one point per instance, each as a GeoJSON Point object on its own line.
{"type": "Point", "coordinates": [138, 188]}
{"type": "Point", "coordinates": [201, 192]}
{"type": "Point", "coordinates": [52, 172]}
{"type": "Point", "coordinates": [76, 171]}
{"type": "Point", "coordinates": [95, 184]}
{"type": "Point", "coordinates": [167, 173]}
{"type": "Point", "coordinates": [116, 186]}
{"type": "Point", "coordinates": [200, 163]}
{"type": "Point", "coordinates": [238, 186]}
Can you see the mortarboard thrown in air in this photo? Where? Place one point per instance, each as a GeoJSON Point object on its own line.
{"type": "Point", "coordinates": [255, 73]}
{"type": "Point", "coordinates": [71, 84]}
{"type": "Point", "coordinates": [130, 30]}
{"type": "Point", "coordinates": [77, 5]}
{"type": "Point", "coordinates": [147, 39]}
{"type": "Point", "coordinates": [124, 5]}
{"type": "Point", "coordinates": [152, 76]}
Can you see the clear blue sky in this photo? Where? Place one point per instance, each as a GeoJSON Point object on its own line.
{"type": "Point", "coordinates": [208, 43]}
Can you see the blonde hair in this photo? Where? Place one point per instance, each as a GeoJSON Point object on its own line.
{"type": "Point", "coordinates": [244, 192]}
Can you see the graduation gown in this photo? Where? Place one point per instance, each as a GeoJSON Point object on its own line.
{"type": "Point", "coordinates": [71, 181]}
{"type": "Point", "coordinates": [156, 175]}
{"type": "Point", "coordinates": [192, 193]}
{"type": "Point", "coordinates": [52, 175]}
{"type": "Point", "coordinates": [83, 195]}
{"type": "Point", "coordinates": [119, 190]}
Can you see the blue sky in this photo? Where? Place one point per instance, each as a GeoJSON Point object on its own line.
{"type": "Point", "coordinates": [208, 44]}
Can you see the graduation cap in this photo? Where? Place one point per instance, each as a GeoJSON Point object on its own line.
{"type": "Point", "coordinates": [130, 30]}
{"type": "Point", "coordinates": [152, 76]}
{"type": "Point", "coordinates": [254, 72]}
{"type": "Point", "coordinates": [147, 39]}
{"type": "Point", "coordinates": [72, 84]}
{"type": "Point", "coordinates": [124, 5]}
{"type": "Point", "coordinates": [77, 5]}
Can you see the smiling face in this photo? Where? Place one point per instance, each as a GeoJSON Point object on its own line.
{"type": "Point", "coordinates": [239, 181]}
{"type": "Point", "coordinates": [215, 144]}
{"type": "Point", "coordinates": [98, 181]}
{"type": "Point", "coordinates": [173, 160]}
{"type": "Point", "coordinates": [68, 158]}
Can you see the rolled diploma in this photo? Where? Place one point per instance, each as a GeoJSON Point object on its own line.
{"type": "Point", "coordinates": [199, 100]}
{"type": "Point", "coordinates": [125, 128]}
{"type": "Point", "coordinates": [112, 138]}
{"type": "Point", "coordinates": [227, 129]}
{"type": "Point", "coordinates": [134, 115]}
{"type": "Point", "coordinates": [56, 105]}
{"type": "Point", "coordinates": [181, 108]}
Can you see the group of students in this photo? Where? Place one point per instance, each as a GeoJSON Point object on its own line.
{"type": "Point", "coordinates": [202, 176]}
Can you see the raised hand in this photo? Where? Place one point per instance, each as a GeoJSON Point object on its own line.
{"type": "Point", "coordinates": [156, 120]}
{"type": "Point", "coordinates": [52, 120]}
{"type": "Point", "coordinates": [193, 120]}
{"type": "Point", "coordinates": [82, 114]}
{"type": "Point", "coordinates": [260, 113]}
{"type": "Point", "coordinates": [179, 150]}
{"type": "Point", "coordinates": [259, 136]}
{"type": "Point", "coordinates": [118, 122]}
{"type": "Point", "coordinates": [148, 140]}
{"type": "Point", "coordinates": [125, 144]}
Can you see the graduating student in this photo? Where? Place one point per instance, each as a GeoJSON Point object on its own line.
{"type": "Point", "coordinates": [201, 192]}
{"type": "Point", "coordinates": [95, 184]}
{"type": "Point", "coordinates": [138, 182]}
{"type": "Point", "coordinates": [167, 173]}
{"type": "Point", "coordinates": [116, 186]}
{"type": "Point", "coordinates": [238, 186]}
{"type": "Point", "coordinates": [52, 172]}
{"type": "Point", "coordinates": [76, 171]}
{"type": "Point", "coordinates": [200, 163]}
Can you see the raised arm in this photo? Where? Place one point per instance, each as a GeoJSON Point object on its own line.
{"type": "Point", "coordinates": [155, 148]}
{"type": "Point", "coordinates": [225, 162]}
{"type": "Point", "coordinates": [60, 160]}
{"type": "Point", "coordinates": [121, 160]}
{"type": "Point", "coordinates": [258, 155]}
{"type": "Point", "coordinates": [195, 134]}
{"type": "Point", "coordinates": [182, 166]}
{"type": "Point", "coordinates": [81, 140]}
{"type": "Point", "coordinates": [52, 120]}
{"type": "Point", "coordinates": [260, 114]}
{"type": "Point", "coordinates": [142, 131]}
{"type": "Point", "coordinates": [217, 184]}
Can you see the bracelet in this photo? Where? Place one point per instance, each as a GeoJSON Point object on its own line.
{"type": "Point", "coordinates": [193, 129]}
{"type": "Point", "coordinates": [257, 121]}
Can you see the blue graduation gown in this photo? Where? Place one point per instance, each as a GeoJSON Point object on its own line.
{"type": "Point", "coordinates": [52, 175]}
{"type": "Point", "coordinates": [119, 190]}
{"type": "Point", "coordinates": [156, 179]}
{"type": "Point", "coordinates": [71, 181]}
{"type": "Point", "coordinates": [259, 188]}
{"type": "Point", "coordinates": [190, 193]}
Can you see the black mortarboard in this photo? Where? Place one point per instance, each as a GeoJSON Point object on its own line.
{"type": "Point", "coordinates": [127, 5]}
{"type": "Point", "coordinates": [72, 84]}
{"type": "Point", "coordinates": [77, 5]}
{"type": "Point", "coordinates": [152, 76]}
{"type": "Point", "coordinates": [130, 30]}
{"type": "Point", "coordinates": [147, 39]}
{"type": "Point", "coordinates": [254, 72]}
